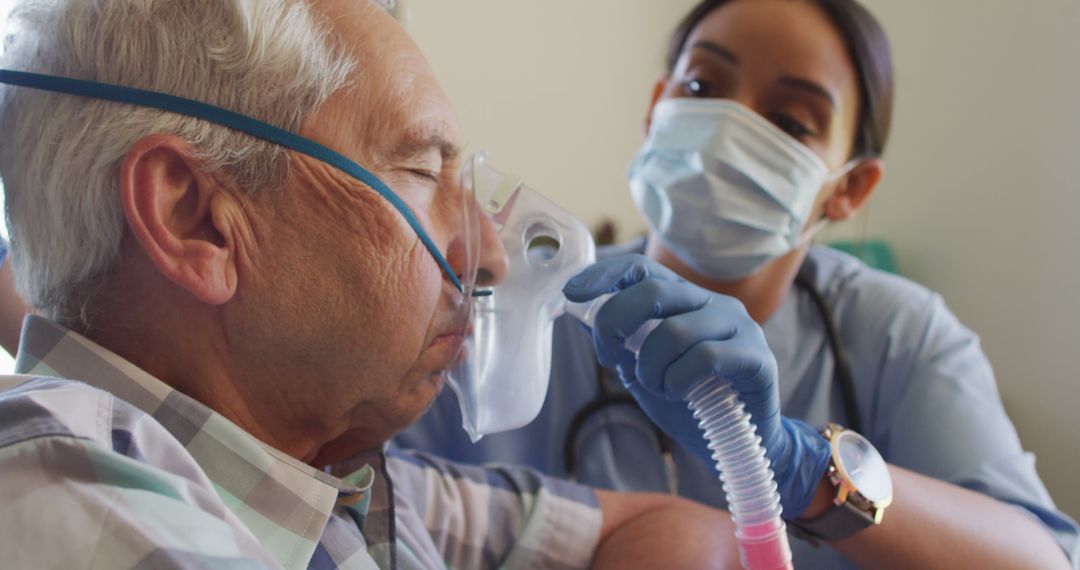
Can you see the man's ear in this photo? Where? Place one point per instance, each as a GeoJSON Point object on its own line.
{"type": "Point", "coordinates": [657, 91]}
{"type": "Point", "coordinates": [854, 189]}
{"type": "Point", "coordinates": [170, 202]}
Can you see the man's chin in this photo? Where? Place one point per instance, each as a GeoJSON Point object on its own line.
{"type": "Point", "coordinates": [438, 380]}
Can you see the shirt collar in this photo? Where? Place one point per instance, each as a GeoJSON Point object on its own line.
{"type": "Point", "coordinates": [257, 482]}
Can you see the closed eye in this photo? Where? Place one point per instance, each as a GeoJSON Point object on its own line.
{"type": "Point", "coordinates": [426, 175]}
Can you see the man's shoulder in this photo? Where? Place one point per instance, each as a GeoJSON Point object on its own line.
{"type": "Point", "coordinates": [35, 407]}
{"type": "Point", "coordinates": [74, 457]}
{"type": "Point", "coordinates": [66, 430]}
{"type": "Point", "coordinates": [41, 408]}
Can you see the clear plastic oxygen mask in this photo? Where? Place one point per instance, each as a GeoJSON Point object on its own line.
{"type": "Point", "coordinates": [501, 375]}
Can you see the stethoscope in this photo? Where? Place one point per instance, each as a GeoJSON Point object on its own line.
{"type": "Point", "coordinates": [609, 396]}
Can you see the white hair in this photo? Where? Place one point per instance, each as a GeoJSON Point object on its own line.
{"type": "Point", "coordinates": [60, 155]}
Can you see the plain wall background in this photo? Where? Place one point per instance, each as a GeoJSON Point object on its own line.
{"type": "Point", "coordinates": [556, 90]}
{"type": "Point", "coordinates": [981, 193]}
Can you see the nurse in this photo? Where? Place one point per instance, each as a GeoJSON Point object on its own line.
{"type": "Point", "coordinates": [770, 123]}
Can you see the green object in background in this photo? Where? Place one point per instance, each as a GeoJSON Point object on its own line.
{"type": "Point", "coordinates": [874, 252]}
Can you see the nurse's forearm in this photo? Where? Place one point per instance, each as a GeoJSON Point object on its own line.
{"type": "Point", "coordinates": [932, 524]}
{"type": "Point", "coordinates": [661, 531]}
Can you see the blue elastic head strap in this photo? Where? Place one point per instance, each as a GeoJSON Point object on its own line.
{"type": "Point", "coordinates": [232, 120]}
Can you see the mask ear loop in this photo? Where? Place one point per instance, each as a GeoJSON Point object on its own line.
{"type": "Point", "coordinates": [822, 223]}
{"type": "Point", "coordinates": [843, 171]}
{"type": "Point", "coordinates": [812, 231]}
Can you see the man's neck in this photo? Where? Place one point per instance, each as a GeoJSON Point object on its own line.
{"type": "Point", "coordinates": [200, 367]}
{"type": "Point", "coordinates": [761, 293]}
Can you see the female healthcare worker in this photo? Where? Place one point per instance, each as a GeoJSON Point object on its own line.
{"type": "Point", "coordinates": [770, 122]}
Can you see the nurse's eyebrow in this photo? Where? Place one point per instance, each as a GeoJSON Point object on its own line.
{"type": "Point", "coordinates": [808, 86]}
{"type": "Point", "coordinates": [717, 49]}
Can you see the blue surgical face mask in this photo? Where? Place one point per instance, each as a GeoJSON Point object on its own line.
{"type": "Point", "coordinates": [723, 188]}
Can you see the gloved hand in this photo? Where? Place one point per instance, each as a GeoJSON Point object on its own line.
{"type": "Point", "coordinates": [703, 335]}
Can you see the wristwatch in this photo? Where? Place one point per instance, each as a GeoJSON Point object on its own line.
{"type": "Point", "coordinates": [863, 488]}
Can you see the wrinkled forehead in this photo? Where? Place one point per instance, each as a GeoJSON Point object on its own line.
{"type": "Point", "coordinates": [393, 95]}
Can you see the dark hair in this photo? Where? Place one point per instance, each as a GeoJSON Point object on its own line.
{"type": "Point", "coordinates": [866, 44]}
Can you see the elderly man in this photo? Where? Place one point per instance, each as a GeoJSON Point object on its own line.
{"type": "Point", "coordinates": [229, 332]}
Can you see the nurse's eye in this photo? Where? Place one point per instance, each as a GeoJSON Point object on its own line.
{"type": "Point", "coordinates": [697, 88]}
{"type": "Point", "coordinates": [792, 126]}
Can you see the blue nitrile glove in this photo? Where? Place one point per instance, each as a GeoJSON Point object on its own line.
{"type": "Point", "coordinates": [703, 335]}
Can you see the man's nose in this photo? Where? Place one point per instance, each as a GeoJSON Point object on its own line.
{"type": "Point", "coordinates": [494, 263]}
{"type": "Point", "coordinates": [479, 248]}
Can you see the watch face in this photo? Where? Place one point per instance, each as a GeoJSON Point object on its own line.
{"type": "Point", "coordinates": [864, 467]}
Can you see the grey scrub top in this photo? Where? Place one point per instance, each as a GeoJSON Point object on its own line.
{"type": "Point", "coordinates": [924, 390]}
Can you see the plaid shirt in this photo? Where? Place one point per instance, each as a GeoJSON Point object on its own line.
{"type": "Point", "coordinates": [104, 466]}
